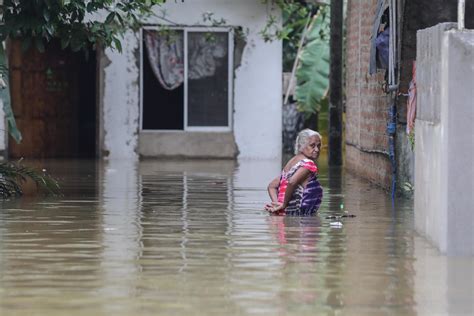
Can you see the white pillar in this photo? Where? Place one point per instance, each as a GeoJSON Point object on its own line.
{"type": "Point", "coordinates": [444, 144]}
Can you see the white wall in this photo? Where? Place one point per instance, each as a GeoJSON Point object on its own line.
{"type": "Point", "coordinates": [444, 138]}
{"type": "Point", "coordinates": [257, 82]}
{"type": "Point", "coordinates": [119, 112]}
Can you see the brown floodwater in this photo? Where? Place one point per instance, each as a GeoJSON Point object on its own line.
{"type": "Point", "coordinates": [191, 238]}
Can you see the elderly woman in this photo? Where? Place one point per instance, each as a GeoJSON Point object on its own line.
{"type": "Point", "coordinates": [297, 190]}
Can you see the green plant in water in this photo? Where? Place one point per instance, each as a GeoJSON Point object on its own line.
{"type": "Point", "coordinates": [14, 174]}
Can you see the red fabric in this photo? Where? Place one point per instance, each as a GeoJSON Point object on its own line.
{"type": "Point", "coordinates": [310, 165]}
{"type": "Point", "coordinates": [282, 189]}
{"type": "Point", "coordinates": [411, 105]}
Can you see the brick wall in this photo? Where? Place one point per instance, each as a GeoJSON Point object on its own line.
{"type": "Point", "coordinates": [366, 102]}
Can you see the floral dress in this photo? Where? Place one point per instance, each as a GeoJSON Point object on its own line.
{"type": "Point", "coordinates": [305, 199]}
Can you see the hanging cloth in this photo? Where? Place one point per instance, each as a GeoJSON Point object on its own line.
{"type": "Point", "coordinates": [382, 5]}
{"type": "Point", "coordinates": [411, 104]}
{"type": "Point", "coordinates": [382, 43]}
{"type": "Point", "coordinates": [166, 57]}
{"type": "Point", "coordinates": [205, 54]}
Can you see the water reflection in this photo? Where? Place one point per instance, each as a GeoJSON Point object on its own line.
{"type": "Point", "coordinates": [120, 230]}
{"type": "Point", "coordinates": [176, 237]}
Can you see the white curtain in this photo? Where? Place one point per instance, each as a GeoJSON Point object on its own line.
{"type": "Point", "coordinates": [205, 51]}
{"type": "Point", "coordinates": [166, 55]}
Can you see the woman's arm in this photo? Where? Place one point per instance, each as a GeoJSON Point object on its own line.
{"type": "Point", "coordinates": [298, 178]}
{"type": "Point", "coordinates": [273, 189]}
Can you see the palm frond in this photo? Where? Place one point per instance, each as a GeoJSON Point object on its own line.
{"type": "Point", "coordinates": [13, 175]}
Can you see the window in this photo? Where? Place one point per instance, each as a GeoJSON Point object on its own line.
{"type": "Point", "coordinates": [186, 79]}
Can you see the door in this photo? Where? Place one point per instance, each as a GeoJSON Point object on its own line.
{"type": "Point", "coordinates": [53, 100]}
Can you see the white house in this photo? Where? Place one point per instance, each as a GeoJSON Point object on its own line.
{"type": "Point", "coordinates": [191, 89]}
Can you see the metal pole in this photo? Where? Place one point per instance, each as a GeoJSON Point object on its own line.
{"type": "Point", "coordinates": [461, 13]}
{"type": "Point", "coordinates": [335, 85]}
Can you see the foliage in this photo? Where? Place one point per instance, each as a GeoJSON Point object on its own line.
{"type": "Point", "coordinates": [40, 21]}
{"type": "Point", "coordinates": [313, 70]}
{"type": "Point", "coordinates": [295, 15]}
{"type": "Point", "coordinates": [13, 175]}
{"type": "Point", "coordinates": [78, 25]}
{"type": "Point", "coordinates": [37, 21]}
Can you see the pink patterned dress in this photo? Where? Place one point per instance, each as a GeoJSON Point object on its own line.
{"type": "Point", "coordinates": [305, 199]}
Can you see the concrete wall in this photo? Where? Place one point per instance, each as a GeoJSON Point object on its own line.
{"type": "Point", "coordinates": [257, 83]}
{"type": "Point", "coordinates": [418, 15]}
{"type": "Point", "coordinates": [181, 144]}
{"type": "Point", "coordinates": [444, 151]}
{"type": "Point", "coordinates": [119, 103]}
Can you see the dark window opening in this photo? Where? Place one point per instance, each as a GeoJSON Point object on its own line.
{"type": "Point", "coordinates": [162, 109]}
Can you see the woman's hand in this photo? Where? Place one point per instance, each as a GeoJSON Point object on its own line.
{"type": "Point", "coordinates": [275, 208]}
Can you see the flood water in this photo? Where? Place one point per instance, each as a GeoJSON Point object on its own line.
{"type": "Point", "coordinates": [191, 238]}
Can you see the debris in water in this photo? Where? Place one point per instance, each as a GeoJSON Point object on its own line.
{"type": "Point", "coordinates": [340, 216]}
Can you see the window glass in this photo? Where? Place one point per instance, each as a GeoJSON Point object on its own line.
{"type": "Point", "coordinates": [208, 79]}
{"type": "Point", "coordinates": [164, 81]}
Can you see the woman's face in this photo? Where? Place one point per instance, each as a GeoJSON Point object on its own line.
{"type": "Point", "coordinates": [312, 148]}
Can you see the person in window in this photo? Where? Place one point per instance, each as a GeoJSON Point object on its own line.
{"type": "Point", "coordinates": [297, 190]}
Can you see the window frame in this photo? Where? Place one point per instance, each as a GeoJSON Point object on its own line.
{"type": "Point", "coordinates": [186, 30]}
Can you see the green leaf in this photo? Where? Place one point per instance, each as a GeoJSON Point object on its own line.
{"type": "Point", "coordinates": [110, 17]}
{"type": "Point", "coordinates": [313, 71]}
{"type": "Point", "coordinates": [14, 174]}
{"type": "Point", "coordinates": [120, 19]}
{"type": "Point", "coordinates": [90, 7]}
{"type": "Point", "coordinates": [118, 44]}
{"type": "Point", "coordinates": [65, 19]}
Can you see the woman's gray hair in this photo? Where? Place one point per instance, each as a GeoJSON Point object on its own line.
{"type": "Point", "coordinates": [302, 139]}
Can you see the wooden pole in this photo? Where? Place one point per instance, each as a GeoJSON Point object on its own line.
{"type": "Point", "coordinates": [335, 85]}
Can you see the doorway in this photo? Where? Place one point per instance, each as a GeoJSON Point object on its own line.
{"type": "Point", "coordinates": [54, 102]}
